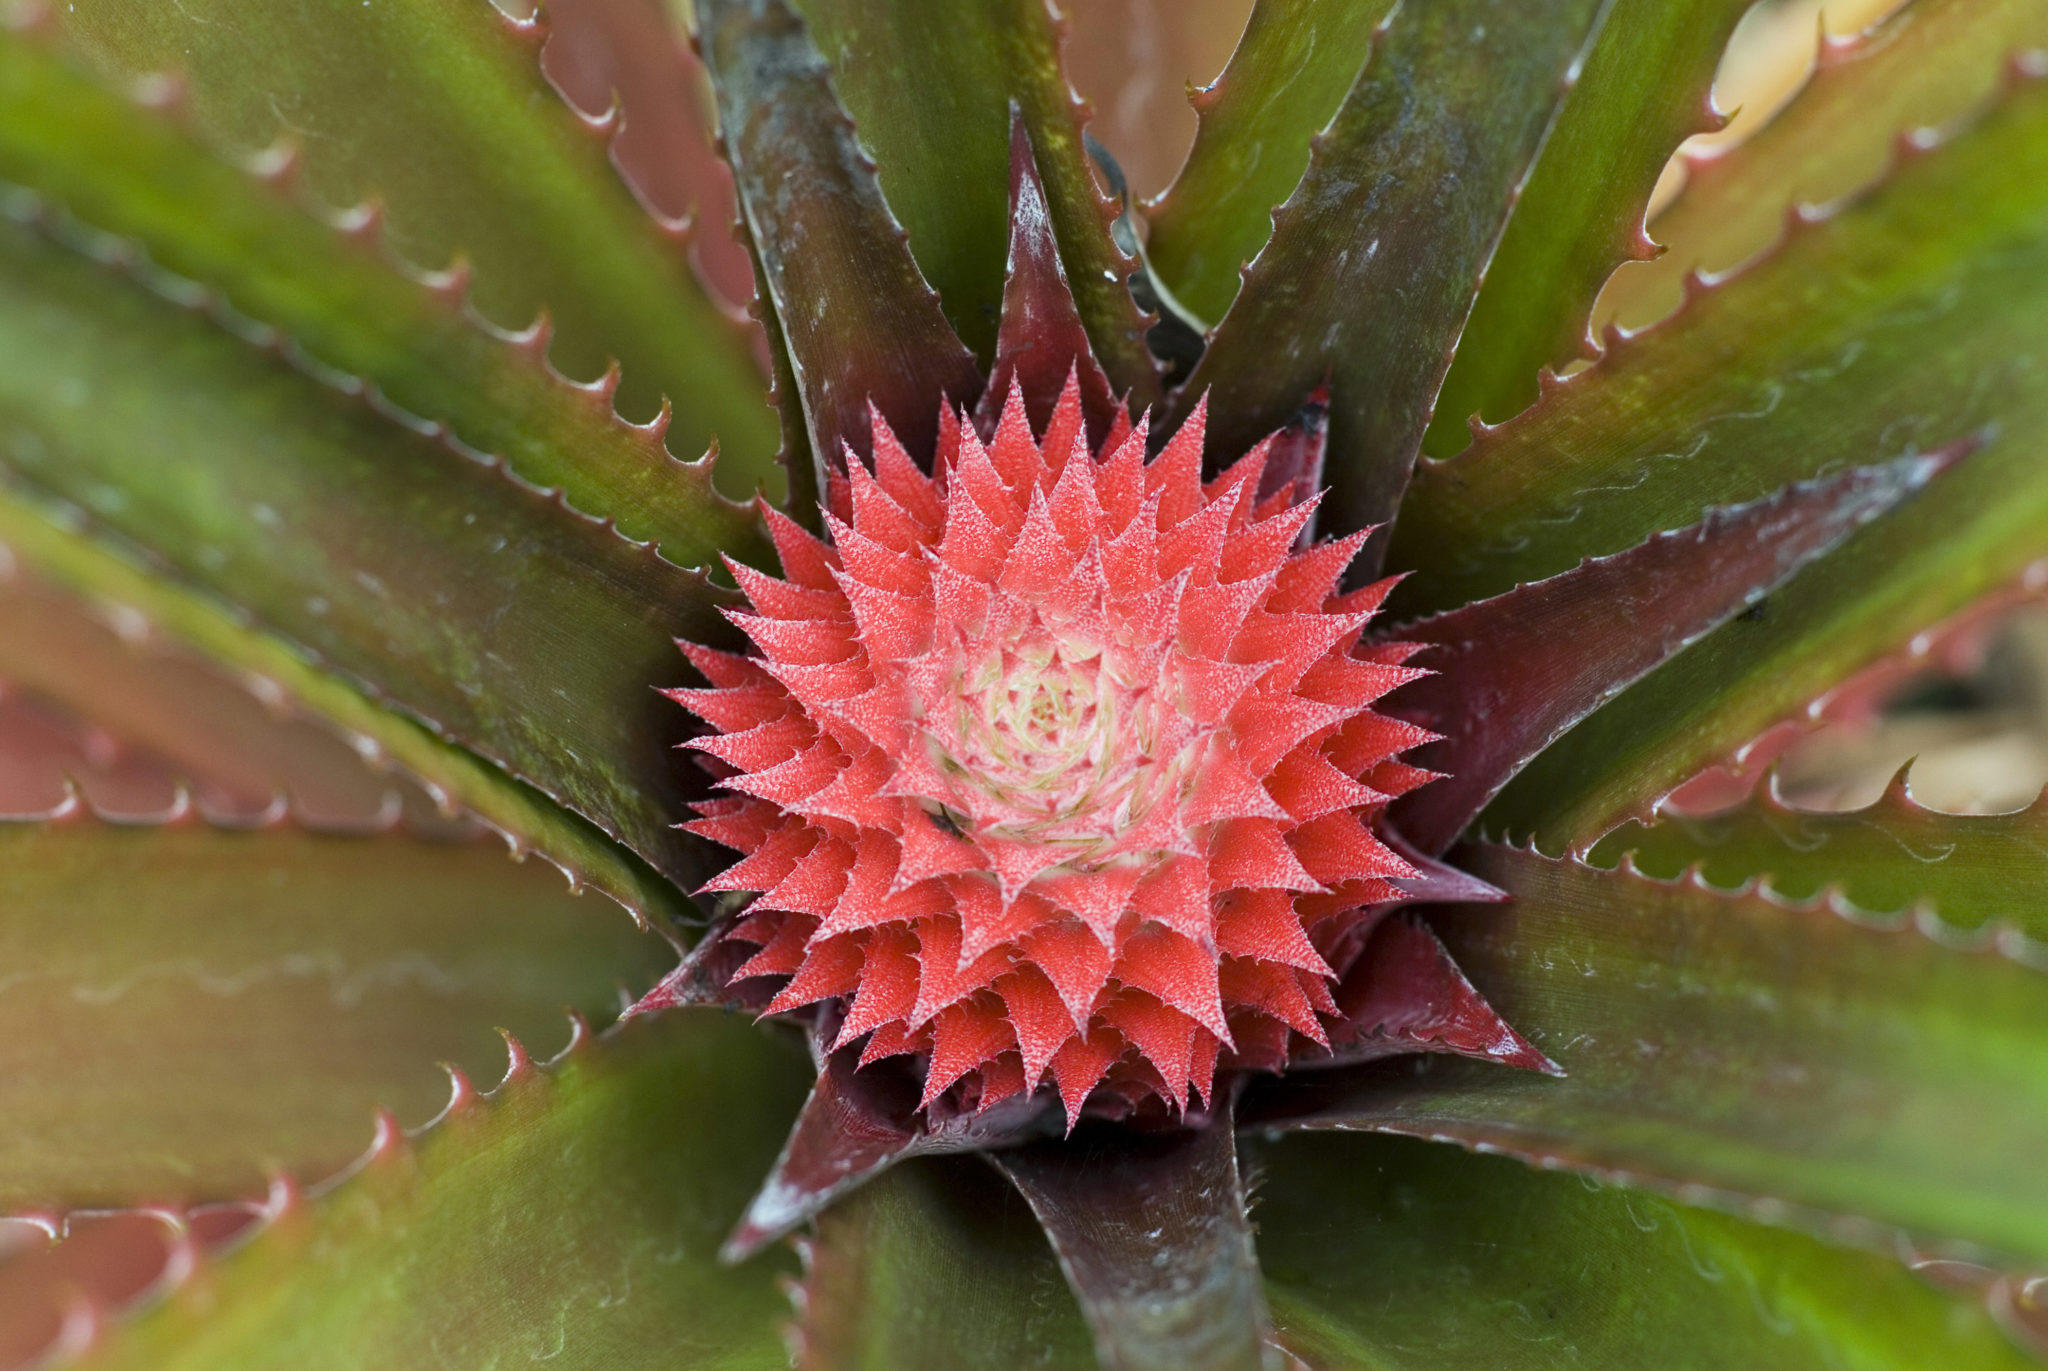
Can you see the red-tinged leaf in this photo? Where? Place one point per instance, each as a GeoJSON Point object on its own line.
{"type": "Point", "coordinates": [1291, 71]}
{"type": "Point", "coordinates": [857, 1123]}
{"type": "Point", "coordinates": [1376, 257]}
{"type": "Point", "coordinates": [187, 1008]}
{"type": "Point", "coordinates": [1406, 995]}
{"type": "Point", "coordinates": [573, 1216]}
{"type": "Point", "coordinates": [1971, 878]}
{"type": "Point", "coordinates": [1738, 1051]}
{"type": "Point", "coordinates": [860, 324]}
{"type": "Point", "coordinates": [1041, 338]}
{"type": "Point", "coordinates": [1516, 672]}
{"type": "Point", "coordinates": [1152, 1235]}
{"type": "Point", "coordinates": [1642, 90]}
{"type": "Point", "coordinates": [241, 248]}
{"type": "Point", "coordinates": [437, 119]}
{"type": "Point", "coordinates": [436, 584]}
{"type": "Point", "coordinates": [53, 1301]}
{"type": "Point", "coordinates": [934, 1267]}
{"type": "Point", "coordinates": [933, 102]}
{"type": "Point", "coordinates": [171, 715]}
{"type": "Point", "coordinates": [1925, 66]}
{"type": "Point", "coordinates": [1393, 1254]}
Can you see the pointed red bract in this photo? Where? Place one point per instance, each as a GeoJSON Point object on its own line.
{"type": "Point", "coordinates": [1058, 764]}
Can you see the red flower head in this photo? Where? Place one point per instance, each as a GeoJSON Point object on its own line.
{"type": "Point", "coordinates": [1057, 761]}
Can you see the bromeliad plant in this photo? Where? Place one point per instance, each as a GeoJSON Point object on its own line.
{"type": "Point", "coordinates": [1149, 723]}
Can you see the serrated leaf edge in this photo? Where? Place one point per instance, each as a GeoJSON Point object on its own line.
{"type": "Point", "coordinates": [277, 167]}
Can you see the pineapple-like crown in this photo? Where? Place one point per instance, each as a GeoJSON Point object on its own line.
{"type": "Point", "coordinates": [1056, 760]}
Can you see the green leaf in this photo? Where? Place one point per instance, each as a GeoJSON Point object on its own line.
{"type": "Point", "coordinates": [138, 699]}
{"type": "Point", "coordinates": [438, 110]}
{"type": "Point", "coordinates": [1961, 874]}
{"type": "Point", "coordinates": [134, 173]}
{"type": "Point", "coordinates": [185, 1008]}
{"type": "Point", "coordinates": [1732, 1045]}
{"type": "Point", "coordinates": [1896, 323]}
{"type": "Point", "coordinates": [1923, 67]}
{"type": "Point", "coordinates": [576, 1215]}
{"type": "Point", "coordinates": [931, 101]}
{"type": "Point", "coordinates": [1900, 326]}
{"type": "Point", "coordinates": [1375, 259]}
{"type": "Point", "coordinates": [457, 596]}
{"type": "Point", "coordinates": [1389, 1254]}
{"type": "Point", "coordinates": [935, 1266]}
{"type": "Point", "coordinates": [1292, 69]}
{"type": "Point", "coordinates": [1643, 91]}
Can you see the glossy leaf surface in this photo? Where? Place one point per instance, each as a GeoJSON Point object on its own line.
{"type": "Point", "coordinates": [1744, 1047]}
{"type": "Point", "coordinates": [1152, 1234]}
{"type": "Point", "coordinates": [1514, 672]}
{"type": "Point", "coordinates": [1375, 259]}
{"type": "Point", "coordinates": [1389, 1254]}
{"type": "Point", "coordinates": [931, 99]}
{"type": "Point", "coordinates": [130, 691]}
{"type": "Point", "coordinates": [469, 602]}
{"type": "Point", "coordinates": [937, 1266]}
{"type": "Point", "coordinates": [1293, 67]}
{"type": "Point", "coordinates": [1927, 66]}
{"type": "Point", "coordinates": [860, 324]}
{"type": "Point", "coordinates": [556, 1220]}
{"type": "Point", "coordinates": [135, 173]}
{"type": "Point", "coordinates": [1899, 327]}
{"type": "Point", "coordinates": [186, 1008]}
{"type": "Point", "coordinates": [440, 112]}
{"type": "Point", "coordinates": [1642, 91]}
{"type": "Point", "coordinates": [1969, 873]}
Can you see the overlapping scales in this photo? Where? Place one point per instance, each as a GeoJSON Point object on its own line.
{"type": "Point", "coordinates": [1057, 763]}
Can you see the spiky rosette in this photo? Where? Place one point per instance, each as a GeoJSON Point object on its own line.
{"type": "Point", "coordinates": [1058, 761]}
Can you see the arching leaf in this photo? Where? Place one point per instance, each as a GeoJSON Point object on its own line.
{"type": "Point", "coordinates": [141, 699]}
{"type": "Point", "coordinates": [439, 111]}
{"type": "Point", "coordinates": [336, 298]}
{"type": "Point", "coordinates": [186, 1008]}
{"type": "Point", "coordinates": [576, 1215]}
{"type": "Point", "coordinates": [474, 604]}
